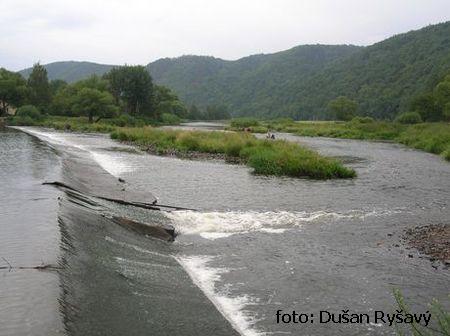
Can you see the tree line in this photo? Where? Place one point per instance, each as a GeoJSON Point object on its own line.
{"type": "Point", "coordinates": [126, 90]}
{"type": "Point", "coordinates": [430, 106]}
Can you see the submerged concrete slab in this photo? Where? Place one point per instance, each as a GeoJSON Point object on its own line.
{"type": "Point", "coordinates": [86, 176]}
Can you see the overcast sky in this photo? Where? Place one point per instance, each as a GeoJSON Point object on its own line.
{"type": "Point", "coordinates": [140, 31]}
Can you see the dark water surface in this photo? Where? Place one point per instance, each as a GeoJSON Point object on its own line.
{"type": "Point", "coordinates": [29, 237]}
{"type": "Point", "coordinates": [257, 245]}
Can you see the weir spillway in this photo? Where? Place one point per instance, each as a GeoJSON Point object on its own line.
{"type": "Point", "coordinates": [118, 270]}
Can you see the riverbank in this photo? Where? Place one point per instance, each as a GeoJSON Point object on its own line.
{"type": "Point", "coordinates": [430, 137]}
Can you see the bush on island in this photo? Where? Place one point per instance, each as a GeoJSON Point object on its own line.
{"type": "Point", "coordinates": [409, 118]}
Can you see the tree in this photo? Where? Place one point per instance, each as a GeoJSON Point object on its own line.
{"type": "Point", "coordinates": [40, 92]}
{"type": "Point", "coordinates": [134, 86]}
{"type": "Point", "coordinates": [92, 82]}
{"type": "Point", "coordinates": [217, 112]}
{"type": "Point", "coordinates": [194, 113]}
{"type": "Point", "coordinates": [442, 93]}
{"type": "Point", "coordinates": [63, 101]}
{"type": "Point", "coordinates": [57, 85]}
{"type": "Point", "coordinates": [425, 105]}
{"type": "Point", "coordinates": [93, 102]}
{"type": "Point", "coordinates": [116, 81]}
{"type": "Point", "coordinates": [433, 105]}
{"type": "Point", "coordinates": [447, 112]}
{"type": "Point", "coordinates": [28, 111]}
{"type": "Point", "coordinates": [64, 98]}
{"type": "Point", "coordinates": [13, 90]}
{"type": "Point", "coordinates": [167, 102]}
{"type": "Point", "coordinates": [343, 108]}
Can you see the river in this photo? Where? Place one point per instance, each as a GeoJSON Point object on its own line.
{"type": "Point", "coordinates": [257, 244]}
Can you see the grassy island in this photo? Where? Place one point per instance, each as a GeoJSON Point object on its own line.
{"type": "Point", "coordinates": [266, 157]}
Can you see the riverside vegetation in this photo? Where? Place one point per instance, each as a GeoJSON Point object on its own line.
{"type": "Point", "coordinates": [430, 137]}
{"type": "Point", "coordinates": [126, 96]}
{"type": "Point", "coordinates": [266, 157]}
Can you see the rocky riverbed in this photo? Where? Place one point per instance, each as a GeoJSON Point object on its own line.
{"type": "Point", "coordinates": [431, 240]}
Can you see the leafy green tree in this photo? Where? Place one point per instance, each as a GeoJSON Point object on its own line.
{"type": "Point", "coordinates": [28, 111]}
{"type": "Point", "coordinates": [195, 113]}
{"type": "Point", "coordinates": [432, 106]}
{"type": "Point", "coordinates": [425, 105]}
{"type": "Point", "coordinates": [92, 82]}
{"type": "Point", "coordinates": [39, 86]}
{"type": "Point", "coordinates": [170, 119]}
{"type": "Point", "coordinates": [163, 93]}
{"type": "Point", "coordinates": [134, 86]}
{"type": "Point", "coordinates": [63, 101]}
{"type": "Point", "coordinates": [217, 112]}
{"type": "Point", "coordinates": [167, 102]}
{"type": "Point", "coordinates": [57, 85]}
{"type": "Point", "coordinates": [93, 102]}
{"type": "Point", "coordinates": [446, 112]}
{"type": "Point", "coordinates": [116, 82]}
{"type": "Point", "coordinates": [343, 108]}
{"type": "Point", "coordinates": [442, 93]}
{"type": "Point", "coordinates": [13, 90]}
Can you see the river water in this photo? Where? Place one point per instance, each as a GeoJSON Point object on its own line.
{"type": "Point", "coordinates": [256, 245]}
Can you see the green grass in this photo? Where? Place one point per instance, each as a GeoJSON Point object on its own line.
{"type": "Point", "coordinates": [244, 122]}
{"type": "Point", "coordinates": [440, 318]}
{"type": "Point", "coordinates": [430, 137]}
{"type": "Point", "coordinates": [78, 124]}
{"type": "Point", "coordinates": [264, 156]}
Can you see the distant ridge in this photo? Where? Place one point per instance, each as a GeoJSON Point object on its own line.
{"type": "Point", "coordinates": [72, 71]}
{"type": "Point", "coordinates": [299, 82]}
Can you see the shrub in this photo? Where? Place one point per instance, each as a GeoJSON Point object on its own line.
{"type": "Point", "coordinates": [29, 111]}
{"type": "Point", "coordinates": [409, 118]}
{"type": "Point", "coordinates": [244, 122]}
{"type": "Point", "coordinates": [22, 121]}
{"type": "Point", "coordinates": [446, 153]}
{"type": "Point", "coordinates": [126, 120]}
{"type": "Point", "coordinates": [259, 129]}
{"type": "Point", "coordinates": [362, 120]}
{"type": "Point", "coordinates": [170, 119]}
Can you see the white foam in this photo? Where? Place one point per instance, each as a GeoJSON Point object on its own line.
{"type": "Point", "coordinates": [232, 308]}
{"type": "Point", "coordinates": [109, 162]}
{"type": "Point", "coordinates": [215, 235]}
{"type": "Point", "coordinates": [134, 247]}
{"type": "Point", "coordinates": [125, 261]}
{"type": "Point", "coordinates": [214, 225]}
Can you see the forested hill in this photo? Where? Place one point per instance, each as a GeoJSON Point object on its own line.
{"type": "Point", "coordinates": [248, 84]}
{"type": "Point", "coordinates": [382, 78]}
{"type": "Point", "coordinates": [72, 71]}
{"type": "Point", "coordinates": [299, 83]}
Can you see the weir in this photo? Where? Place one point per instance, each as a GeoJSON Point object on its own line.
{"type": "Point", "coordinates": [114, 281]}
{"type": "Point", "coordinates": [81, 174]}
